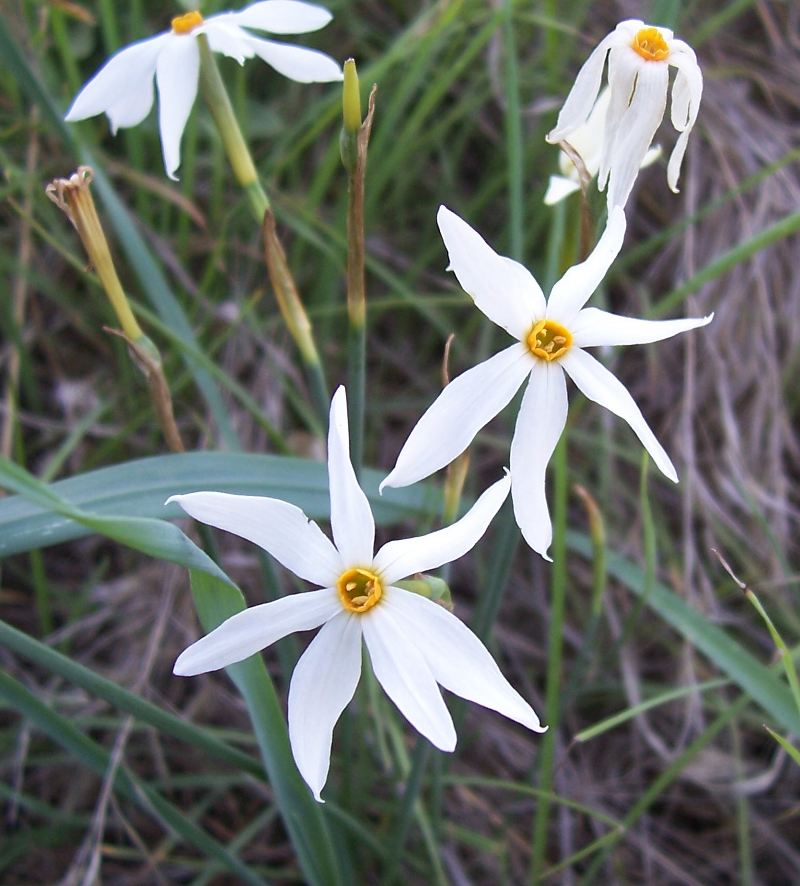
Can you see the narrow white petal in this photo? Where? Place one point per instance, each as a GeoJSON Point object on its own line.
{"type": "Point", "coordinates": [574, 289]}
{"type": "Point", "coordinates": [687, 92]}
{"type": "Point", "coordinates": [283, 17]}
{"type": "Point", "coordinates": [403, 557]}
{"type": "Point", "coordinates": [594, 327]}
{"type": "Point", "coordinates": [587, 139]}
{"type": "Point", "coordinates": [451, 422]}
{"type": "Point", "coordinates": [253, 629]}
{"type": "Point", "coordinates": [582, 96]}
{"type": "Point", "coordinates": [540, 423]}
{"type": "Point", "coordinates": [297, 62]}
{"type": "Point", "coordinates": [322, 686]}
{"type": "Point", "coordinates": [126, 75]}
{"type": "Point", "coordinates": [226, 37]}
{"type": "Point", "coordinates": [281, 529]}
{"type": "Point", "coordinates": [558, 188]}
{"type": "Point", "coordinates": [352, 523]}
{"type": "Point", "coordinates": [636, 130]}
{"type": "Point", "coordinates": [623, 68]}
{"type": "Point", "coordinates": [500, 287]}
{"type": "Point", "coordinates": [600, 385]}
{"type": "Point", "coordinates": [176, 77]}
{"type": "Point", "coordinates": [456, 657]}
{"type": "Point", "coordinates": [406, 678]}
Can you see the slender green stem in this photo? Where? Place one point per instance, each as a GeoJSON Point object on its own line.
{"type": "Point", "coordinates": [554, 655]}
{"type": "Point", "coordinates": [356, 390]}
{"type": "Point", "coordinates": [513, 124]}
{"type": "Point", "coordinates": [219, 103]}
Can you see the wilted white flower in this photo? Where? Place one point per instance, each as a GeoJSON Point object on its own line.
{"type": "Point", "coordinates": [123, 88]}
{"type": "Point", "coordinates": [413, 643]}
{"type": "Point", "coordinates": [551, 337]}
{"type": "Point", "coordinates": [587, 140]}
{"type": "Point", "coordinates": [639, 57]}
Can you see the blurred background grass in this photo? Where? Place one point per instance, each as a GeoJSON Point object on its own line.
{"type": "Point", "coordinates": [688, 787]}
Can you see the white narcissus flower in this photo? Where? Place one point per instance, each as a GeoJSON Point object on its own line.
{"type": "Point", "coordinates": [551, 337]}
{"type": "Point", "coordinates": [413, 643]}
{"type": "Point", "coordinates": [587, 140]}
{"type": "Point", "coordinates": [123, 88]}
{"type": "Point", "coordinates": [639, 57]}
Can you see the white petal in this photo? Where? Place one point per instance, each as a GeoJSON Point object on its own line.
{"type": "Point", "coordinates": [582, 96]}
{"type": "Point", "coordinates": [686, 94]}
{"type": "Point", "coordinates": [406, 678]}
{"type": "Point", "coordinates": [594, 327]}
{"type": "Point", "coordinates": [126, 75]}
{"type": "Point", "coordinates": [297, 62]}
{"type": "Point", "coordinates": [598, 384]}
{"type": "Point", "coordinates": [451, 422]}
{"type": "Point", "coordinates": [253, 629]}
{"type": "Point", "coordinates": [500, 287]}
{"type": "Point", "coordinates": [281, 529]}
{"type": "Point", "coordinates": [540, 422]}
{"type": "Point", "coordinates": [574, 289]}
{"type": "Point", "coordinates": [397, 559]}
{"type": "Point", "coordinates": [623, 68]}
{"type": "Point", "coordinates": [587, 139]}
{"type": "Point", "coordinates": [456, 657]}
{"type": "Point", "coordinates": [636, 130]}
{"type": "Point", "coordinates": [322, 686]}
{"type": "Point", "coordinates": [226, 37]}
{"type": "Point", "coordinates": [176, 77]}
{"type": "Point", "coordinates": [558, 188]}
{"type": "Point", "coordinates": [283, 16]}
{"type": "Point", "coordinates": [351, 516]}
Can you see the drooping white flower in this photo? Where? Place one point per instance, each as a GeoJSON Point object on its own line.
{"type": "Point", "coordinates": [587, 140]}
{"type": "Point", "coordinates": [639, 57]}
{"type": "Point", "coordinates": [551, 337]}
{"type": "Point", "coordinates": [123, 88]}
{"type": "Point", "coordinates": [413, 643]}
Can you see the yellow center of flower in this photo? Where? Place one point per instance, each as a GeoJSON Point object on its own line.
{"type": "Point", "coordinates": [359, 589]}
{"type": "Point", "coordinates": [650, 45]}
{"type": "Point", "coordinates": [549, 340]}
{"type": "Point", "coordinates": [186, 23]}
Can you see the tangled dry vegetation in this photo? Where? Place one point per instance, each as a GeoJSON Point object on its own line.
{"type": "Point", "coordinates": [707, 804]}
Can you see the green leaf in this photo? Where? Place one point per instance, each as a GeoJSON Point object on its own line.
{"type": "Point", "coordinates": [302, 815]}
{"type": "Point", "coordinates": [39, 653]}
{"type": "Point", "coordinates": [157, 538]}
{"type": "Point", "coordinates": [64, 733]}
{"type": "Point", "coordinates": [139, 489]}
{"type": "Point", "coordinates": [763, 686]}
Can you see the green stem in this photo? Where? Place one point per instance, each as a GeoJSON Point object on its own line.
{"type": "Point", "coordinates": [356, 390]}
{"type": "Point", "coordinates": [554, 655]}
{"type": "Point", "coordinates": [219, 103]}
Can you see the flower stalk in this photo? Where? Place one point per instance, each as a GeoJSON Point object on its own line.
{"type": "Point", "coordinates": [354, 142]}
{"type": "Point", "coordinates": [73, 196]}
{"type": "Point", "coordinates": [219, 103]}
{"type": "Point", "coordinates": [293, 313]}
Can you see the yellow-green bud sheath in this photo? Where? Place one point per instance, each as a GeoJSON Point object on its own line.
{"type": "Point", "coordinates": [73, 197]}
{"type": "Point", "coordinates": [351, 97]}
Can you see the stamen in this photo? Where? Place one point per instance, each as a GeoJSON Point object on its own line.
{"type": "Point", "coordinates": [359, 589]}
{"type": "Point", "coordinates": [186, 23]}
{"type": "Point", "coordinates": [548, 340]}
{"type": "Point", "coordinates": [650, 44]}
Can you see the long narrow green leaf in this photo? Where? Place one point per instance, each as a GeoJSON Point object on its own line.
{"type": "Point", "coordinates": [152, 281]}
{"type": "Point", "coordinates": [302, 815]}
{"type": "Point", "coordinates": [157, 538]}
{"type": "Point", "coordinates": [64, 733]}
{"type": "Point", "coordinates": [39, 653]}
{"type": "Point", "coordinates": [764, 687]}
{"type": "Point", "coordinates": [139, 489]}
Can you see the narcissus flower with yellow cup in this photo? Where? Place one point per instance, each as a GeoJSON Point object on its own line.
{"type": "Point", "coordinates": [413, 643]}
{"type": "Point", "coordinates": [123, 88]}
{"type": "Point", "coordinates": [639, 57]}
{"type": "Point", "coordinates": [551, 340]}
{"type": "Point", "coordinates": [587, 141]}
